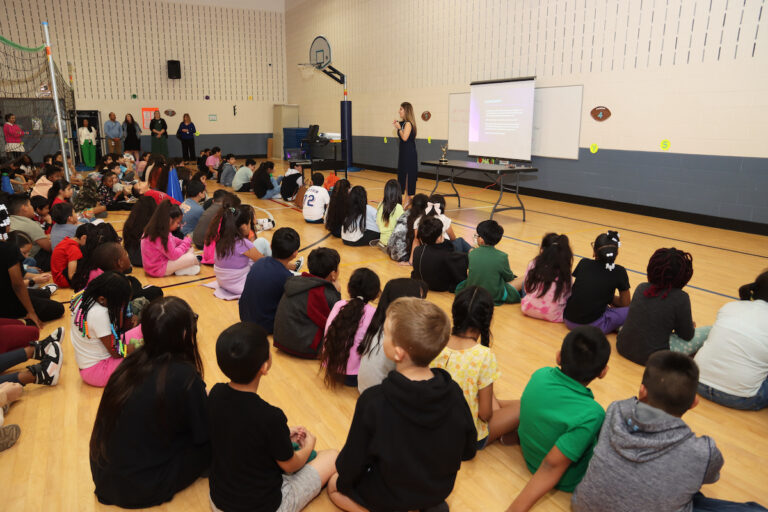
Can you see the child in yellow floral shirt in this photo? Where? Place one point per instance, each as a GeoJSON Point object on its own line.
{"type": "Point", "coordinates": [473, 366]}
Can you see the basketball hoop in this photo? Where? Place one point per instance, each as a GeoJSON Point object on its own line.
{"type": "Point", "coordinates": [307, 70]}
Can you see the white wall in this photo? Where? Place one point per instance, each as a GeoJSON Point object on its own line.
{"type": "Point", "coordinates": [232, 51]}
{"type": "Point", "coordinates": [691, 71]}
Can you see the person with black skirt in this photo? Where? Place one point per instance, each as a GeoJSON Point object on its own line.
{"type": "Point", "coordinates": [131, 134]}
{"type": "Point", "coordinates": [407, 161]}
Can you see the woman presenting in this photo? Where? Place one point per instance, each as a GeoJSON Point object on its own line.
{"type": "Point", "coordinates": [159, 135]}
{"type": "Point", "coordinates": [407, 166]}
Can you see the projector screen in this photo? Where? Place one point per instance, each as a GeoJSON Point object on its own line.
{"type": "Point", "coordinates": [501, 119]}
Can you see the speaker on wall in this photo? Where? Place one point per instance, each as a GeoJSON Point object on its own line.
{"type": "Point", "coordinates": [174, 69]}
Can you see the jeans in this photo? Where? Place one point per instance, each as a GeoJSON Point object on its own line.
{"type": "Point", "coordinates": [703, 504]}
{"type": "Point", "coordinates": [275, 190]}
{"type": "Point", "coordinates": [751, 403]}
{"type": "Point", "coordinates": [461, 245]}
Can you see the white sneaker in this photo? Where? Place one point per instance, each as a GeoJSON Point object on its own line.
{"type": "Point", "coordinates": [299, 264]}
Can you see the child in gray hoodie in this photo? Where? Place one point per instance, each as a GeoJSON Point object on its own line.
{"type": "Point", "coordinates": [647, 458]}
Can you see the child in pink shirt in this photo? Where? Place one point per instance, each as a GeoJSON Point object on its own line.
{"type": "Point", "coordinates": [162, 253]}
{"type": "Point", "coordinates": [547, 281]}
{"type": "Point", "coordinates": [345, 329]}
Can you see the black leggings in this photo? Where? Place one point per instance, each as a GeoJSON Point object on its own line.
{"type": "Point", "coordinates": [366, 239]}
{"type": "Point", "coordinates": [188, 150]}
{"type": "Point", "coordinates": [9, 360]}
{"type": "Point", "coordinates": [246, 187]}
{"type": "Point", "coordinates": [45, 308]}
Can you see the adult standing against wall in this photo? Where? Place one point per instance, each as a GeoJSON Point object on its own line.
{"type": "Point", "coordinates": [407, 160]}
{"type": "Point", "coordinates": [86, 136]}
{"type": "Point", "coordinates": [131, 133]}
{"type": "Point", "coordinates": [186, 134]}
{"type": "Point", "coordinates": [14, 146]}
{"type": "Point", "coordinates": [159, 130]}
{"type": "Point", "coordinates": [113, 131]}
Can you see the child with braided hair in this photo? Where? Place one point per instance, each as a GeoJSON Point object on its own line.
{"type": "Point", "coordinates": [593, 300]}
{"type": "Point", "coordinates": [659, 316]}
{"type": "Point", "coordinates": [345, 329]}
{"type": "Point", "coordinates": [99, 324]}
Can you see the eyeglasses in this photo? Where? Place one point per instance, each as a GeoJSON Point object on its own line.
{"type": "Point", "coordinates": [474, 237]}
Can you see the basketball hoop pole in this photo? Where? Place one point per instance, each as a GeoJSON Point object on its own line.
{"type": "Point", "coordinates": [55, 98]}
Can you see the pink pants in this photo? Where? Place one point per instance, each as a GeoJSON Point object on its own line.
{"type": "Point", "coordinates": [98, 374]}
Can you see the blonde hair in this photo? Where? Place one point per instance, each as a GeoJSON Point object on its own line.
{"type": "Point", "coordinates": [418, 327]}
{"type": "Point", "coordinates": [409, 117]}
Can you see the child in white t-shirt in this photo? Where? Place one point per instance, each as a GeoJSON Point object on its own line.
{"type": "Point", "coordinates": [316, 200]}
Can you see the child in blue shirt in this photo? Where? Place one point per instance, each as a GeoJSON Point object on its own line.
{"type": "Point", "coordinates": [191, 207]}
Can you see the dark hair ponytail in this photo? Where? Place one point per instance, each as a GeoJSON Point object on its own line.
{"type": "Point", "coordinates": [337, 206]}
{"type": "Point", "coordinates": [473, 309]}
{"type": "Point", "coordinates": [57, 187]}
{"type": "Point", "coordinates": [159, 225]}
{"type": "Point", "coordinates": [552, 265]}
{"type": "Point", "coordinates": [418, 205]}
{"type": "Point", "coordinates": [393, 196]}
{"type": "Point", "coordinates": [363, 287]}
{"type": "Point", "coordinates": [757, 290]}
{"type": "Point", "coordinates": [97, 235]}
{"type": "Point", "coordinates": [607, 248]}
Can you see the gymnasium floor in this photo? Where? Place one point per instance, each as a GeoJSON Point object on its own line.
{"type": "Point", "coordinates": [49, 469]}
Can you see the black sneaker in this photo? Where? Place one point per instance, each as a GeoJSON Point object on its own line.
{"type": "Point", "coordinates": [45, 346]}
{"type": "Point", "coordinates": [47, 371]}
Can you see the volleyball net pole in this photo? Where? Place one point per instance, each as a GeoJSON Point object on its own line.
{"type": "Point", "coordinates": [54, 89]}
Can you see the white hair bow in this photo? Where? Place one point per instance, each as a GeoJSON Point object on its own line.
{"type": "Point", "coordinates": [433, 206]}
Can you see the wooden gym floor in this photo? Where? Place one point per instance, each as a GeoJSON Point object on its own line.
{"type": "Point", "coordinates": [49, 469]}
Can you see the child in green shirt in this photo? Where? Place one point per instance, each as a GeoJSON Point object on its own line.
{"type": "Point", "coordinates": [489, 267]}
{"type": "Point", "coordinates": [559, 417]}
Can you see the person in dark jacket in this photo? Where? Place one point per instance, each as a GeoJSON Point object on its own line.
{"type": "Point", "coordinates": [304, 307]}
{"type": "Point", "coordinates": [263, 184]}
{"type": "Point", "coordinates": [435, 261]}
{"type": "Point", "coordinates": [410, 433]}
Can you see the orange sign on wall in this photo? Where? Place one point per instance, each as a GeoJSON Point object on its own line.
{"type": "Point", "coordinates": [146, 116]}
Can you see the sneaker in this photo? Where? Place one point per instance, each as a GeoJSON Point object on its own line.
{"type": "Point", "coordinates": [9, 434]}
{"type": "Point", "coordinates": [47, 371]}
{"type": "Point", "coordinates": [45, 346]}
{"type": "Point", "coordinates": [51, 288]}
{"type": "Point", "coordinates": [265, 224]}
{"type": "Point", "coordinates": [375, 243]}
{"type": "Point", "coordinates": [299, 264]}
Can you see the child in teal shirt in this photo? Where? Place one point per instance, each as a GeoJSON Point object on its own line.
{"type": "Point", "coordinates": [489, 267]}
{"type": "Point", "coordinates": [559, 417]}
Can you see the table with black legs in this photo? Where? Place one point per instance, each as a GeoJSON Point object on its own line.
{"type": "Point", "coordinates": [496, 172]}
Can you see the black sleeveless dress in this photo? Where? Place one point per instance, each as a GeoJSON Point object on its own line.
{"type": "Point", "coordinates": [131, 138]}
{"type": "Point", "coordinates": [407, 163]}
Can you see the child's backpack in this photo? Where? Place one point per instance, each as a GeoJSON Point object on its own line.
{"type": "Point", "coordinates": [290, 186]}
{"type": "Point", "coordinates": [88, 197]}
{"type": "Point", "coordinates": [330, 181]}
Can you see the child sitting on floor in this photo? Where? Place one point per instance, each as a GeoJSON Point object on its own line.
{"type": "Point", "coordinates": [42, 212]}
{"type": "Point", "coordinates": [359, 227]}
{"type": "Point", "coordinates": [559, 417]}
{"type": "Point", "coordinates": [235, 252]}
{"type": "Point", "coordinates": [66, 254]}
{"type": "Point", "coordinates": [101, 234]}
{"type": "Point", "coordinates": [547, 281]}
{"type": "Point", "coordinates": [415, 427]}
{"type": "Point", "coordinates": [489, 267]}
{"type": "Point", "coordinates": [162, 253]}
{"type": "Point", "coordinates": [112, 257]}
{"type": "Point", "coordinates": [337, 208]}
{"type": "Point", "coordinates": [133, 229]}
{"type": "Point", "coordinates": [60, 192]}
{"type": "Point", "coordinates": [734, 359]}
{"type": "Point", "coordinates": [263, 183]}
{"type": "Point", "coordinates": [277, 469]}
{"type": "Point", "coordinates": [401, 240]}
{"type": "Point", "coordinates": [265, 282]}
{"type": "Point", "coordinates": [374, 363]}
{"type": "Point", "coordinates": [659, 316]}
{"type": "Point", "coordinates": [316, 200]}
{"type": "Point", "coordinates": [593, 300]}
{"type": "Point", "coordinates": [228, 170]}
{"type": "Point", "coordinates": [647, 457]}
{"type": "Point", "coordinates": [436, 208]}
{"type": "Point", "coordinates": [191, 208]}
{"type": "Point", "coordinates": [345, 328]}
{"type": "Point", "coordinates": [473, 367]}
{"type": "Point", "coordinates": [304, 307]}
{"type": "Point", "coordinates": [98, 325]}
{"type": "Point", "coordinates": [65, 223]}
{"type": "Point", "coordinates": [389, 211]}
{"type": "Point", "coordinates": [435, 261]}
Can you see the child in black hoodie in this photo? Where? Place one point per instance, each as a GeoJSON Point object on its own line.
{"type": "Point", "coordinates": [410, 433]}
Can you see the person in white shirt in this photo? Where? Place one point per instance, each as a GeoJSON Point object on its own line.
{"type": "Point", "coordinates": [733, 362]}
{"type": "Point", "coordinates": [316, 200]}
{"type": "Point", "coordinates": [242, 180]}
{"type": "Point", "coordinates": [86, 135]}
{"type": "Point", "coordinates": [359, 226]}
